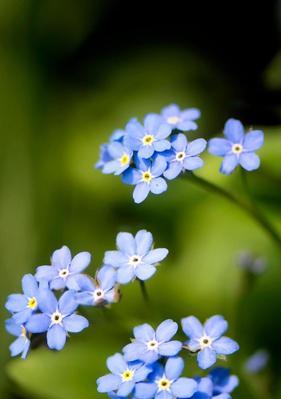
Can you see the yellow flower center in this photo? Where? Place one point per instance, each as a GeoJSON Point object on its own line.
{"type": "Point", "coordinates": [146, 176]}
{"type": "Point", "coordinates": [148, 139]}
{"type": "Point", "coordinates": [32, 303]}
{"type": "Point", "coordinates": [163, 384]}
{"type": "Point", "coordinates": [124, 160]}
{"type": "Point", "coordinates": [237, 148]}
{"type": "Point", "coordinates": [173, 120]}
{"type": "Point", "coordinates": [180, 156]}
{"type": "Point", "coordinates": [127, 375]}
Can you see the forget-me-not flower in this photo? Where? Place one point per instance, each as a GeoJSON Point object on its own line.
{"type": "Point", "coordinates": [120, 159]}
{"type": "Point", "coordinates": [166, 383]}
{"type": "Point", "coordinates": [123, 377]}
{"type": "Point", "coordinates": [135, 257]}
{"type": "Point", "coordinates": [184, 155]}
{"type": "Point", "coordinates": [223, 381]}
{"type": "Point", "coordinates": [146, 177]}
{"type": "Point", "coordinates": [64, 269]}
{"type": "Point", "coordinates": [148, 138]}
{"type": "Point", "coordinates": [57, 318]}
{"type": "Point", "coordinates": [181, 120]}
{"type": "Point", "coordinates": [148, 345]}
{"type": "Point", "coordinates": [22, 344]}
{"type": "Point", "coordinates": [23, 305]}
{"type": "Point", "coordinates": [237, 148]}
{"type": "Point", "coordinates": [257, 362]}
{"type": "Point", "coordinates": [98, 291]}
{"type": "Point", "coordinates": [207, 339]}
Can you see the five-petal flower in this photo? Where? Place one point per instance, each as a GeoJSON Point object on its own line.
{"type": "Point", "coordinates": [181, 120]}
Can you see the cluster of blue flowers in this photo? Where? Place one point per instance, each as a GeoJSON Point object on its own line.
{"type": "Point", "coordinates": [40, 309]}
{"type": "Point", "coordinates": [148, 153]}
{"type": "Point", "coordinates": [150, 366]}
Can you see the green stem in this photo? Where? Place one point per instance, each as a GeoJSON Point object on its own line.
{"type": "Point", "coordinates": [144, 291]}
{"type": "Point", "coordinates": [251, 210]}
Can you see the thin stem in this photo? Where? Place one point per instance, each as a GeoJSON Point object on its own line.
{"type": "Point", "coordinates": [248, 208]}
{"type": "Point", "coordinates": [144, 291]}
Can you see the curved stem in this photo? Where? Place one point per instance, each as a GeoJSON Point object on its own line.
{"type": "Point", "coordinates": [251, 210]}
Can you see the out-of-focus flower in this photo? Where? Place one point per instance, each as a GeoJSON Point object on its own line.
{"type": "Point", "coordinates": [181, 120]}
{"type": "Point", "coordinates": [120, 159]}
{"type": "Point", "coordinates": [247, 261]}
{"type": "Point", "coordinates": [22, 344]}
{"type": "Point", "coordinates": [257, 362]}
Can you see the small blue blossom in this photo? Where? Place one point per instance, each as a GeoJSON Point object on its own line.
{"type": "Point", "coordinates": [135, 257]}
{"type": "Point", "coordinates": [257, 362]}
{"type": "Point", "coordinates": [166, 383]}
{"type": "Point", "coordinates": [223, 381]}
{"type": "Point", "coordinates": [118, 135]}
{"type": "Point", "coordinates": [57, 318]}
{"type": "Point", "coordinates": [99, 291]}
{"type": "Point", "coordinates": [205, 390]}
{"type": "Point", "coordinates": [207, 340]}
{"type": "Point", "coordinates": [149, 345]}
{"type": "Point", "coordinates": [123, 377]}
{"type": "Point", "coordinates": [148, 138]}
{"type": "Point", "coordinates": [237, 148]}
{"type": "Point", "coordinates": [146, 178]}
{"type": "Point", "coordinates": [23, 305]}
{"type": "Point", "coordinates": [184, 155]}
{"type": "Point", "coordinates": [120, 159]}
{"type": "Point", "coordinates": [64, 270]}
{"type": "Point", "coordinates": [22, 344]}
{"type": "Point", "coordinates": [181, 120]}
{"type": "Point", "coordinates": [104, 157]}
{"type": "Point", "coordinates": [250, 263]}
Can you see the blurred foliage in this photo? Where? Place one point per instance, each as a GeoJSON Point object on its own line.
{"type": "Point", "coordinates": [51, 195]}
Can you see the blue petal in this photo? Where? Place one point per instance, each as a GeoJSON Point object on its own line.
{"type": "Point", "coordinates": [125, 388]}
{"type": "Point", "coordinates": [106, 277]}
{"type": "Point", "coordinates": [162, 145]}
{"type": "Point", "coordinates": [155, 256]}
{"type": "Point", "coordinates": [229, 163]}
{"type": "Point", "coordinates": [174, 367]}
{"type": "Point", "coordinates": [45, 273]}
{"type": "Point", "coordinates": [145, 390]}
{"type": "Point", "coordinates": [225, 346]}
{"type": "Point", "coordinates": [166, 330]}
{"type": "Point", "coordinates": [58, 284]}
{"type": "Point", "coordinates": [117, 135]}
{"type": "Point", "coordinates": [85, 298]}
{"type": "Point", "coordinates": [80, 262]}
{"type": "Point", "coordinates": [158, 166]}
{"type": "Point", "coordinates": [191, 114]}
{"type": "Point", "coordinates": [249, 161]}
{"type": "Point", "coordinates": [205, 385]}
{"type": "Point", "coordinates": [61, 258]}
{"type": "Point", "coordinates": [195, 147]}
{"type": "Point", "coordinates": [12, 327]}
{"type": "Point", "coordinates": [144, 332]}
{"type": "Point", "coordinates": [141, 373]}
{"type": "Point", "coordinates": [134, 351]}
{"type": "Point", "coordinates": [73, 282]}
{"type": "Point", "coordinates": [144, 241]}
{"type": "Point", "coordinates": [29, 285]}
{"type": "Point", "coordinates": [171, 110]}
{"type": "Point", "coordinates": [206, 358]}
{"type": "Point", "coordinates": [144, 272]}
{"type": "Point", "coordinates": [253, 140]}
{"type": "Point", "coordinates": [47, 301]}
{"type": "Point", "coordinates": [142, 164]}
{"type": "Point", "coordinates": [108, 383]}
{"type": "Point", "coordinates": [22, 317]}
{"type": "Point", "coordinates": [193, 163]}
{"type": "Point", "coordinates": [171, 348]}
{"type": "Point", "coordinates": [234, 130]}
{"type": "Point", "coordinates": [179, 142]}
{"type": "Point", "coordinates": [116, 364]}
{"type": "Point", "coordinates": [164, 131]}
{"type": "Point", "coordinates": [67, 303]}
{"type": "Point", "coordinates": [185, 126]}
{"type": "Point", "coordinates": [146, 151]}
{"type": "Point", "coordinates": [125, 242]}
{"type": "Point", "coordinates": [215, 326]}
{"type": "Point", "coordinates": [56, 337]}
{"type": "Point", "coordinates": [111, 167]}
{"type": "Point", "coordinates": [173, 170]}
{"type": "Point", "coordinates": [257, 361]}
{"type": "Point", "coordinates": [219, 147]}
{"type": "Point", "coordinates": [75, 323]}
{"type": "Point", "coordinates": [16, 303]}
{"type": "Point", "coordinates": [192, 327]}
{"type": "Point", "coordinates": [158, 185]}
{"type": "Point", "coordinates": [131, 176]}
{"type": "Point", "coordinates": [20, 345]}
{"type": "Point", "coordinates": [151, 123]}
{"type": "Point", "coordinates": [116, 150]}
{"type": "Point", "coordinates": [38, 323]}
{"type": "Point", "coordinates": [135, 129]}
{"type": "Point", "coordinates": [184, 387]}
{"type": "Point", "coordinates": [125, 274]}
{"type": "Point", "coordinates": [140, 193]}
{"type": "Point", "coordinates": [164, 395]}
{"type": "Point", "coordinates": [115, 258]}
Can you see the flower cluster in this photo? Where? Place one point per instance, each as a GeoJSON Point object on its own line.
{"type": "Point", "coordinates": [150, 366]}
{"type": "Point", "coordinates": [148, 153]}
{"type": "Point", "coordinates": [41, 310]}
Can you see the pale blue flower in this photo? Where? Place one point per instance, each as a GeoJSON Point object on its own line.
{"type": "Point", "coordinates": [181, 120]}
{"type": "Point", "coordinates": [257, 362]}
{"type": "Point", "coordinates": [120, 159]}
{"type": "Point", "coordinates": [22, 344]}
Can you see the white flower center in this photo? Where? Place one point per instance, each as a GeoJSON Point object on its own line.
{"type": "Point", "coordinates": [135, 260]}
{"type": "Point", "coordinates": [127, 375]}
{"type": "Point", "coordinates": [64, 273]}
{"type": "Point", "coordinates": [146, 176]}
{"type": "Point", "coordinates": [98, 294]}
{"type": "Point", "coordinates": [152, 345]}
{"type": "Point", "coordinates": [173, 120]}
{"type": "Point", "coordinates": [180, 156]}
{"type": "Point", "coordinates": [148, 139]}
{"type": "Point", "coordinates": [163, 384]}
{"type": "Point", "coordinates": [56, 318]}
{"type": "Point", "coordinates": [237, 148]}
{"type": "Point", "coordinates": [205, 342]}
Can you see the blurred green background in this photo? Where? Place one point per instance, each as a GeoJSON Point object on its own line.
{"type": "Point", "coordinates": [73, 71]}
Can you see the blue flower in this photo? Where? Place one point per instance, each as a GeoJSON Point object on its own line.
{"type": "Point", "coordinates": [149, 345]}
{"type": "Point", "coordinates": [98, 291]}
{"type": "Point", "coordinates": [250, 263]}
{"type": "Point", "coordinates": [237, 148]}
{"type": "Point", "coordinates": [123, 377]}
{"type": "Point", "coordinates": [223, 381]}
{"type": "Point", "coordinates": [166, 383]}
{"type": "Point", "coordinates": [181, 120]}
{"type": "Point", "coordinates": [146, 178]}
{"type": "Point", "coordinates": [257, 362]}
{"type": "Point", "coordinates": [120, 159]}
{"type": "Point", "coordinates": [64, 270]}
{"type": "Point", "coordinates": [135, 257]}
{"type": "Point", "coordinates": [148, 138]}
{"type": "Point", "coordinates": [57, 318]}
{"type": "Point", "coordinates": [207, 340]}
{"type": "Point", "coordinates": [118, 135]}
{"type": "Point", "coordinates": [22, 344]}
{"type": "Point", "coordinates": [104, 157]}
{"type": "Point", "coordinates": [23, 305]}
{"type": "Point", "coordinates": [184, 155]}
